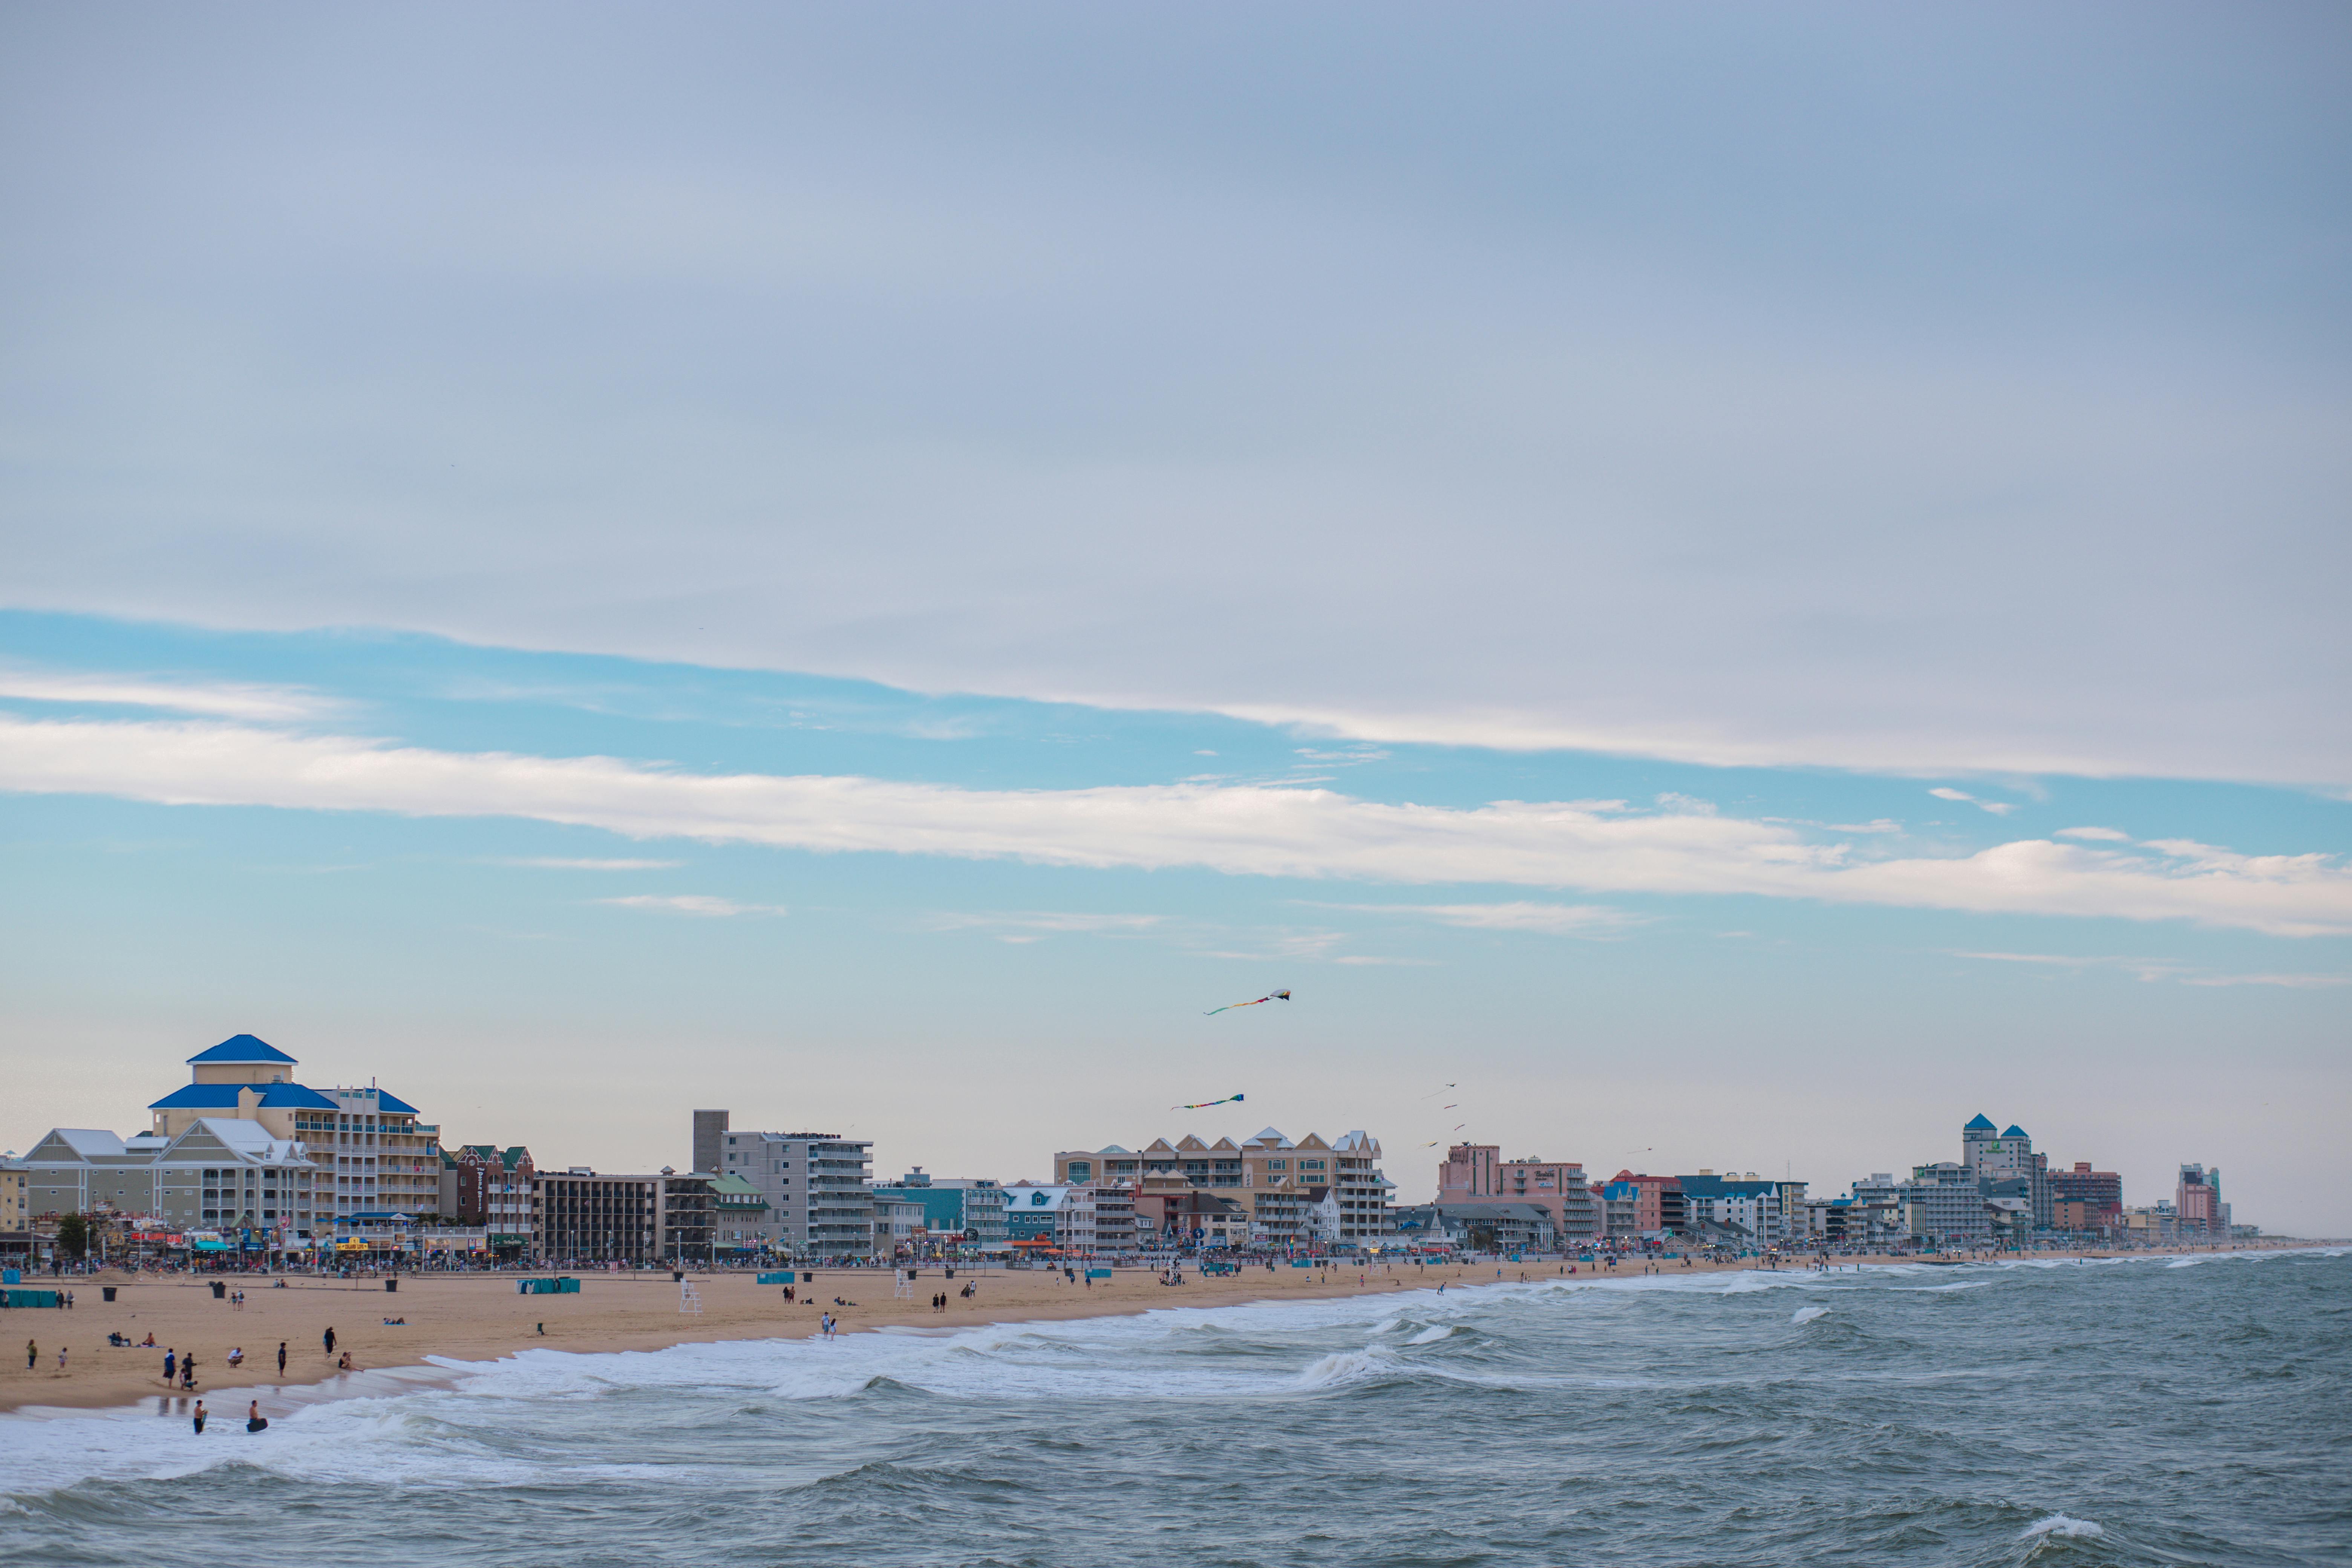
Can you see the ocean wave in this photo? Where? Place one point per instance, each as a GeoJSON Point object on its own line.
{"type": "Point", "coordinates": [2058, 1524]}
{"type": "Point", "coordinates": [1807, 1314]}
{"type": "Point", "coordinates": [1431, 1334]}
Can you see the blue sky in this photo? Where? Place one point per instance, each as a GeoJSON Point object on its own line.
{"type": "Point", "coordinates": [1745, 587]}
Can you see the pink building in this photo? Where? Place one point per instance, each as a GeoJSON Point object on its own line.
{"type": "Point", "coordinates": [2198, 1202]}
{"type": "Point", "coordinates": [1477, 1173]}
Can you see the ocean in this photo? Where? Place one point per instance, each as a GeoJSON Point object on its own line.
{"type": "Point", "coordinates": [2150, 1411]}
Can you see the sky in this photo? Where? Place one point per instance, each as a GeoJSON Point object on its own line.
{"type": "Point", "coordinates": [1706, 588]}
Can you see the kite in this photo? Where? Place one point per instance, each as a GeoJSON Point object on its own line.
{"type": "Point", "coordinates": [1269, 996]}
{"type": "Point", "coordinates": [1229, 1100]}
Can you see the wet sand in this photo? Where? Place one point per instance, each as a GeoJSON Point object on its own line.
{"type": "Point", "coordinates": [474, 1317]}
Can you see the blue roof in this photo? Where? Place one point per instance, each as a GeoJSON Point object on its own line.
{"type": "Point", "coordinates": [1982, 1122]}
{"type": "Point", "coordinates": [2014, 1131]}
{"type": "Point", "coordinates": [223, 1096]}
{"type": "Point", "coordinates": [394, 1102]}
{"type": "Point", "coordinates": [243, 1048]}
{"type": "Point", "coordinates": [1722, 1187]}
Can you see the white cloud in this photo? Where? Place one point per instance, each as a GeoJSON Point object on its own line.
{"type": "Point", "coordinates": [2103, 834]}
{"type": "Point", "coordinates": [1557, 920]}
{"type": "Point", "coordinates": [1997, 807]}
{"type": "Point", "coordinates": [2160, 969]}
{"type": "Point", "coordinates": [2294, 981]}
{"type": "Point", "coordinates": [1946, 792]}
{"type": "Point", "coordinates": [1242, 829]}
{"type": "Point", "coordinates": [216, 699]}
{"type": "Point", "coordinates": [692, 904]}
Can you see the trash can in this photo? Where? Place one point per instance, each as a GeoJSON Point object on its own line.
{"type": "Point", "coordinates": [676, 1275]}
{"type": "Point", "coordinates": [107, 1291]}
{"type": "Point", "coordinates": [391, 1286]}
{"type": "Point", "coordinates": [220, 1290]}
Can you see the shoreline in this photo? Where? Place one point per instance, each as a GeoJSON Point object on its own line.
{"type": "Point", "coordinates": [483, 1318]}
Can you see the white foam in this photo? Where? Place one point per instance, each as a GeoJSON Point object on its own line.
{"type": "Point", "coordinates": [1431, 1334]}
{"type": "Point", "coordinates": [1343, 1367]}
{"type": "Point", "coordinates": [2058, 1524]}
{"type": "Point", "coordinates": [1807, 1314]}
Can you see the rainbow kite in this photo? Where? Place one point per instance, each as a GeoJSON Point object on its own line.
{"type": "Point", "coordinates": [1229, 1100]}
{"type": "Point", "coordinates": [1269, 996]}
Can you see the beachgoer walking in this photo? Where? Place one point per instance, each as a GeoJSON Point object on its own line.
{"type": "Point", "coordinates": [188, 1369]}
{"type": "Point", "coordinates": [171, 1365]}
{"type": "Point", "coordinates": [281, 1358]}
{"type": "Point", "coordinates": [32, 1358]}
{"type": "Point", "coordinates": [61, 1358]}
{"type": "Point", "coordinates": [328, 1339]}
{"type": "Point", "coordinates": [200, 1418]}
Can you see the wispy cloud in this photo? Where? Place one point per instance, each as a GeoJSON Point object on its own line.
{"type": "Point", "coordinates": [2101, 835]}
{"type": "Point", "coordinates": [692, 904]}
{"type": "Point", "coordinates": [213, 699]}
{"type": "Point", "coordinates": [1240, 830]}
{"type": "Point", "coordinates": [558, 863]}
{"type": "Point", "coordinates": [1555, 920]}
{"type": "Point", "coordinates": [1997, 807]}
{"type": "Point", "coordinates": [2151, 969]}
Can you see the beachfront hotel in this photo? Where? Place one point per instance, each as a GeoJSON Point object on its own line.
{"type": "Point", "coordinates": [1284, 1193]}
{"type": "Point", "coordinates": [813, 1185]}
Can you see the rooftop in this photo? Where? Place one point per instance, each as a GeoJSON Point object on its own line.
{"type": "Point", "coordinates": [243, 1048]}
{"type": "Point", "coordinates": [223, 1096]}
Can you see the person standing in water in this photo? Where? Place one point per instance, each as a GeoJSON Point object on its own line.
{"type": "Point", "coordinates": [253, 1421]}
{"type": "Point", "coordinates": [200, 1418]}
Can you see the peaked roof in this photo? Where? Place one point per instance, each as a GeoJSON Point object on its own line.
{"type": "Point", "coordinates": [243, 1048]}
{"type": "Point", "coordinates": [1274, 1136]}
{"type": "Point", "coordinates": [1982, 1124]}
{"type": "Point", "coordinates": [223, 1096]}
{"type": "Point", "coordinates": [2014, 1131]}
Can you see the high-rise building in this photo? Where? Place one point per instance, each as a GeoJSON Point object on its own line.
{"type": "Point", "coordinates": [2097, 1196]}
{"type": "Point", "coordinates": [1944, 1203]}
{"type": "Point", "coordinates": [2007, 1155]}
{"type": "Point", "coordinates": [2198, 1211]}
{"type": "Point", "coordinates": [815, 1186]}
{"type": "Point", "coordinates": [709, 1141]}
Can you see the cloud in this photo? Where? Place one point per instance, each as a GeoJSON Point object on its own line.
{"type": "Point", "coordinates": [1367, 960]}
{"type": "Point", "coordinates": [2103, 834]}
{"type": "Point", "coordinates": [1043, 921]}
{"type": "Point", "coordinates": [558, 863]}
{"type": "Point", "coordinates": [2159, 969]}
{"type": "Point", "coordinates": [1997, 807]}
{"type": "Point", "coordinates": [219, 700]}
{"type": "Point", "coordinates": [1557, 920]}
{"type": "Point", "coordinates": [1239, 829]}
{"type": "Point", "coordinates": [692, 904]}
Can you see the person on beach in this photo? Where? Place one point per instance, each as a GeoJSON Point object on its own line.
{"type": "Point", "coordinates": [253, 1421]}
{"type": "Point", "coordinates": [328, 1339]}
{"type": "Point", "coordinates": [235, 1355]}
{"type": "Point", "coordinates": [200, 1418]}
{"type": "Point", "coordinates": [171, 1365]}
{"type": "Point", "coordinates": [61, 1358]}
{"type": "Point", "coordinates": [281, 1358]}
{"type": "Point", "coordinates": [33, 1359]}
{"type": "Point", "coordinates": [345, 1364]}
{"type": "Point", "coordinates": [188, 1371]}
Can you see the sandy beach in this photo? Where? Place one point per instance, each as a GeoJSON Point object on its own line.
{"type": "Point", "coordinates": [483, 1318]}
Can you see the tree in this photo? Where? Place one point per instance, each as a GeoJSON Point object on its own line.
{"type": "Point", "coordinates": [73, 1234]}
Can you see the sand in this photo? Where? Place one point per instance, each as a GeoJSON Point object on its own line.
{"type": "Point", "coordinates": [482, 1318]}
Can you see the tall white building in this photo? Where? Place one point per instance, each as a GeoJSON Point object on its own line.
{"type": "Point", "coordinates": [819, 1202]}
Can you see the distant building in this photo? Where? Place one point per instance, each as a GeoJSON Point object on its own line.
{"type": "Point", "coordinates": [1082, 1216]}
{"type": "Point", "coordinates": [709, 1141]}
{"type": "Point", "coordinates": [1477, 1173]}
{"type": "Point", "coordinates": [216, 1173]}
{"type": "Point", "coordinates": [586, 1216]}
{"type": "Point", "coordinates": [1270, 1179]}
{"type": "Point", "coordinates": [2097, 1197]}
{"type": "Point", "coordinates": [1658, 1202]}
{"type": "Point", "coordinates": [1943, 1204]}
{"type": "Point", "coordinates": [1998, 1157]}
{"type": "Point", "coordinates": [960, 1213]}
{"type": "Point", "coordinates": [738, 1216]}
{"type": "Point", "coordinates": [1746, 1204]}
{"type": "Point", "coordinates": [16, 1209]}
{"type": "Point", "coordinates": [814, 1183]}
{"type": "Point", "coordinates": [1499, 1226]}
{"type": "Point", "coordinates": [2201, 1215]}
{"type": "Point", "coordinates": [483, 1185]}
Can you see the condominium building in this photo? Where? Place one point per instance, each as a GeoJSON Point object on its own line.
{"type": "Point", "coordinates": [1945, 1204]}
{"type": "Point", "coordinates": [374, 1155]}
{"type": "Point", "coordinates": [16, 1207]}
{"type": "Point", "coordinates": [815, 1184]}
{"type": "Point", "coordinates": [1747, 1207]}
{"type": "Point", "coordinates": [1477, 1173]}
{"type": "Point", "coordinates": [961, 1212]}
{"type": "Point", "coordinates": [2198, 1206]}
{"type": "Point", "coordinates": [215, 1173]}
{"type": "Point", "coordinates": [1657, 1203]}
{"type": "Point", "coordinates": [483, 1185]}
{"type": "Point", "coordinates": [1268, 1177]}
{"type": "Point", "coordinates": [584, 1215]}
{"type": "Point", "coordinates": [1997, 1156]}
{"type": "Point", "coordinates": [2092, 1200]}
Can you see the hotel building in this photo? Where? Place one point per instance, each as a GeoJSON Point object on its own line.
{"type": "Point", "coordinates": [1290, 1193]}
{"type": "Point", "coordinates": [1477, 1173]}
{"type": "Point", "coordinates": [815, 1186]}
